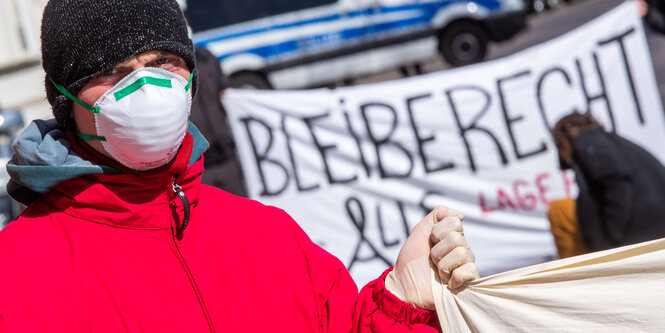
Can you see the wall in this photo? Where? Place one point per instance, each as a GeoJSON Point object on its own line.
{"type": "Point", "coordinates": [21, 74]}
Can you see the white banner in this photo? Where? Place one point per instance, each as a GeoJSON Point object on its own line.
{"type": "Point", "coordinates": [358, 167]}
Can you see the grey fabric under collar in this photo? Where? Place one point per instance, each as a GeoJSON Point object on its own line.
{"type": "Point", "coordinates": [43, 158]}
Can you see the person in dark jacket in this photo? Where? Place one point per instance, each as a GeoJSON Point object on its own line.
{"type": "Point", "coordinates": [653, 12]}
{"type": "Point", "coordinates": [222, 165]}
{"type": "Point", "coordinates": [655, 16]}
{"type": "Point", "coordinates": [221, 160]}
{"type": "Point", "coordinates": [621, 189]}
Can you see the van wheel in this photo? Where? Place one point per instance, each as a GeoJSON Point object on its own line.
{"type": "Point", "coordinates": [537, 6]}
{"type": "Point", "coordinates": [249, 80]}
{"type": "Point", "coordinates": [463, 43]}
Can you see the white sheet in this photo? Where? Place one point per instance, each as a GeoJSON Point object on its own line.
{"type": "Point", "coordinates": [619, 290]}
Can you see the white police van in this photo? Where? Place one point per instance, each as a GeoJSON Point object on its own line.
{"type": "Point", "coordinates": [287, 44]}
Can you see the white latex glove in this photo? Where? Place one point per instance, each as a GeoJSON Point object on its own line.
{"type": "Point", "coordinates": [436, 242]}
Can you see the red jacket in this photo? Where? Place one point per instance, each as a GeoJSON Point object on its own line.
{"type": "Point", "coordinates": [98, 253]}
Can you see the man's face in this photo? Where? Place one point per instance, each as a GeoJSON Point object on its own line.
{"type": "Point", "coordinates": [100, 84]}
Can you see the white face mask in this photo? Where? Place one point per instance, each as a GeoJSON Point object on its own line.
{"type": "Point", "coordinates": [142, 120]}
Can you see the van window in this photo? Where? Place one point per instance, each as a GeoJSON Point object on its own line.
{"type": "Point", "coordinates": [209, 14]}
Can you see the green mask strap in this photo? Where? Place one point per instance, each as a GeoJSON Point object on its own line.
{"type": "Point", "coordinates": [189, 84]}
{"type": "Point", "coordinates": [85, 106]}
{"type": "Point", "coordinates": [166, 83]}
{"type": "Point", "coordinates": [74, 98]}
{"type": "Point", "coordinates": [122, 93]}
{"type": "Point", "coordinates": [90, 137]}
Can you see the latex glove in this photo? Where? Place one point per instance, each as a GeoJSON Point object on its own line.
{"type": "Point", "coordinates": [438, 242]}
{"type": "Point", "coordinates": [451, 253]}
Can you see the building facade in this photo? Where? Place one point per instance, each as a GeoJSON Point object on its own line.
{"type": "Point", "coordinates": [21, 74]}
{"type": "Point", "coordinates": [19, 31]}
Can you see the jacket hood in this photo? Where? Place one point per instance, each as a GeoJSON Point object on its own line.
{"type": "Point", "coordinates": [44, 157]}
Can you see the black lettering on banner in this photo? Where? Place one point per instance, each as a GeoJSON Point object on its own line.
{"type": "Point", "coordinates": [464, 130]}
{"type": "Point", "coordinates": [602, 95]}
{"type": "Point", "coordinates": [405, 224]}
{"type": "Point", "coordinates": [261, 158]}
{"type": "Point", "coordinates": [356, 138]}
{"type": "Point", "coordinates": [384, 239]}
{"type": "Point", "coordinates": [423, 206]}
{"type": "Point", "coordinates": [539, 90]}
{"type": "Point", "coordinates": [323, 150]}
{"type": "Point", "coordinates": [421, 141]}
{"type": "Point", "coordinates": [619, 38]}
{"type": "Point", "coordinates": [292, 158]}
{"type": "Point", "coordinates": [509, 121]}
{"type": "Point", "coordinates": [378, 143]}
{"type": "Point", "coordinates": [358, 219]}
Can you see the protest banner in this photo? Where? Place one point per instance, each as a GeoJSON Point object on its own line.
{"type": "Point", "coordinates": [358, 167]}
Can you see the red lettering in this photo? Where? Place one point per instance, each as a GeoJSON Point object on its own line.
{"type": "Point", "coordinates": [527, 202]}
{"type": "Point", "coordinates": [483, 205]}
{"type": "Point", "coordinates": [523, 195]}
{"type": "Point", "coordinates": [567, 183]}
{"type": "Point", "coordinates": [542, 190]}
{"type": "Point", "coordinates": [503, 200]}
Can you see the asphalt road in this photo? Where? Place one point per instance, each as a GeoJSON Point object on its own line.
{"type": "Point", "coordinates": [546, 26]}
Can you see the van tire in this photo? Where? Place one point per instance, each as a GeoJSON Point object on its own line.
{"type": "Point", "coordinates": [463, 43]}
{"type": "Point", "coordinates": [537, 6]}
{"type": "Point", "coordinates": [249, 80]}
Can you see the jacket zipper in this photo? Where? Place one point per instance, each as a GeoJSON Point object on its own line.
{"type": "Point", "coordinates": [185, 204]}
{"type": "Point", "coordinates": [180, 193]}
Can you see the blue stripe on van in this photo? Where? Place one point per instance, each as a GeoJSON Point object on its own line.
{"type": "Point", "coordinates": [283, 49]}
{"type": "Point", "coordinates": [428, 10]}
{"type": "Point", "coordinates": [431, 8]}
{"type": "Point", "coordinates": [329, 18]}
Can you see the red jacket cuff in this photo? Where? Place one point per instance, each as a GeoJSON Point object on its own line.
{"type": "Point", "coordinates": [399, 310]}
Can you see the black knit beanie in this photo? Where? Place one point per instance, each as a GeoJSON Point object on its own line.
{"type": "Point", "coordinates": [82, 38]}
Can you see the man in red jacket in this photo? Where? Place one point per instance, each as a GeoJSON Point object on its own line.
{"type": "Point", "coordinates": [120, 235]}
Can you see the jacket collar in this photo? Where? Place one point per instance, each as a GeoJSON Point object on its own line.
{"type": "Point", "coordinates": [135, 200]}
{"type": "Point", "coordinates": [44, 157]}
